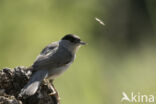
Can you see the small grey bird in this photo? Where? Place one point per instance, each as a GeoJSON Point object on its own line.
{"type": "Point", "coordinates": [53, 60]}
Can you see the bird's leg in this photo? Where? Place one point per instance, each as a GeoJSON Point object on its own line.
{"type": "Point", "coordinates": [52, 87]}
{"type": "Point", "coordinates": [45, 81]}
{"type": "Point", "coordinates": [49, 83]}
{"type": "Point", "coordinates": [55, 93]}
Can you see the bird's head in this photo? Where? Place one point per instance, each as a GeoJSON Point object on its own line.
{"type": "Point", "coordinates": [72, 42]}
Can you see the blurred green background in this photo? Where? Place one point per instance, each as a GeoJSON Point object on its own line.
{"type": "Point", "coordinates": [120, 56]}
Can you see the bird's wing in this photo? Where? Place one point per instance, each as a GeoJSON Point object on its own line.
{"type": "Point", "coordinates": [50, 48]}
{"type": "Point", "coordinates": [51, 57]}
{"type": "Point", "coordinates": [46, 55]}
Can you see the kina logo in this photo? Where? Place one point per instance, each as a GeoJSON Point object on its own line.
{"type": "Point", "coordinates": [137, 98]}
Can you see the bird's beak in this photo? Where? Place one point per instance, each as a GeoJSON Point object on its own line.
{"type": "Point", "coordinates": [82, 42]}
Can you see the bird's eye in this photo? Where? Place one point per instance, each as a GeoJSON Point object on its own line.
{"type": "Point", "coordinates": [78, 40]}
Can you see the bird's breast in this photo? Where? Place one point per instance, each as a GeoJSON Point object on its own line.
{"type": "Point", "coordinates": [53, 73]}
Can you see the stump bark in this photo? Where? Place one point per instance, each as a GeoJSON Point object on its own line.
{"type": "Point", "coordinates": [13, 80]}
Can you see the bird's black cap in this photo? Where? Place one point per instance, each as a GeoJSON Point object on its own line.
{"type": "Point", "coordinates": [73, 38]}
{"type": "Point", "coordinates": [70, 37]}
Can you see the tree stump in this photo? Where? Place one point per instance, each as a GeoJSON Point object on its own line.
{"type": "Point", "coordinates": [13, 80]}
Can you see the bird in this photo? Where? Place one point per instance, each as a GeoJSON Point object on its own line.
{"type": "Point", "coordinates": [52, 61]}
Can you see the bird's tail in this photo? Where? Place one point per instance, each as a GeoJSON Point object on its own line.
{"type": "Point", "coordinates": [31, 87]}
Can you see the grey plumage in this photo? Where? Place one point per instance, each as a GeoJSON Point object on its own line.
{"type": "Point", "coordinates": [53, 56]}
{"type": "Point", "coordinates": [31, 87]}
{"type": "Point", "coordinates": [52, 61]}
